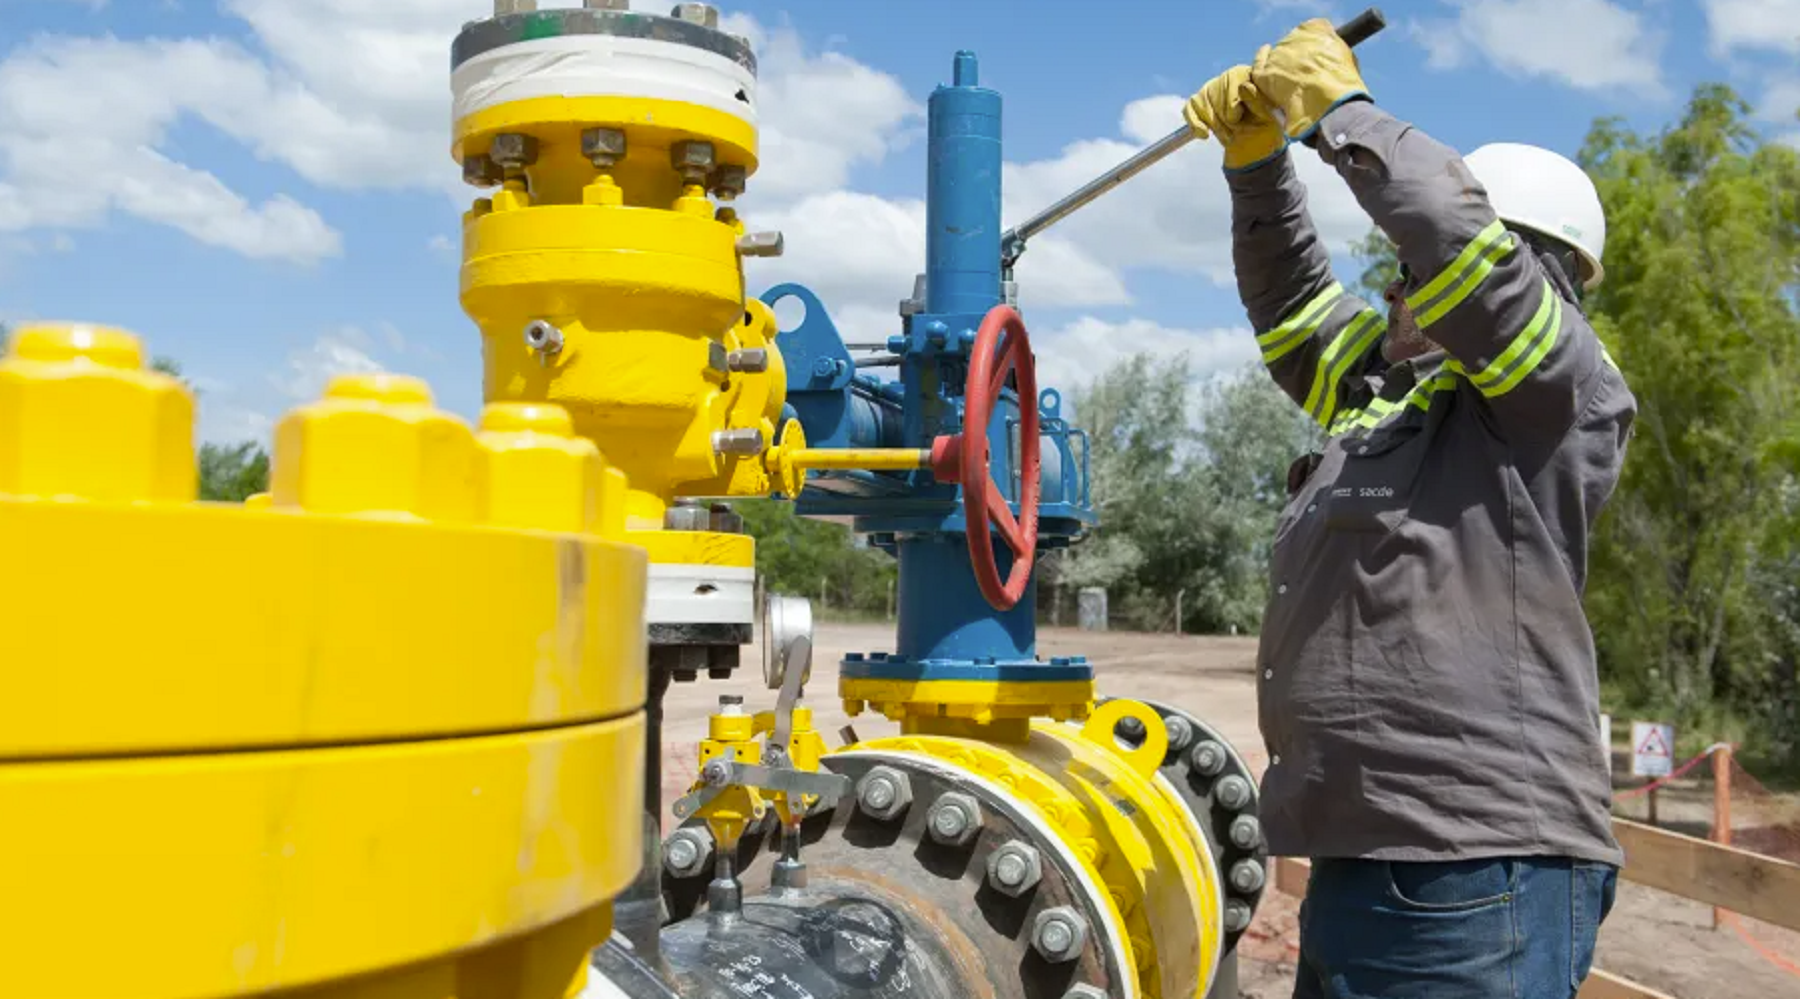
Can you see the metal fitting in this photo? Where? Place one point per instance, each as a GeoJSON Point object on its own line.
{"type": "Point", "coordinates": [728, 181]}
{"type": "Point", "coordinates": [603, 146]}
{"type": "Point", "coordinates": [1247, 876]}
{"type": "Point", "coordinates": [1237, 916]}
{"type": "Point", "coordinates": [751, 359]}
{"type": "Point", "coordinates": [688, 851]}
{"type": "Point", "coordinates": [693, 159]}
{"type": "Point", "coordinates": [1084, 992]}
{"type": "Point", "coordinates": [696, 13]}
{"type": "Point", "coordinates": [543, 337]}
{"type": "Point", "coordinates": [716, 357]}
{"type": "Point", "coordinates": [954, 819]}
{"type": "Point", "coordinates": [480, 171]}
{"type": "Point", "coordinates": [725, 520]}
{"type": "Point", "coordinates": [513, 150]}
{"type": "Point", "coordinates": [1059, 934]}
{"type": "Point", "coordinates": [1208, 758]}
{"type": "Point", "coordinates": [1232, 791]}
{"type": "Point", "coordinates": [884, 793]}
{"type": "Point", "coordinates": [1015, 868]}
{"type": "Point", "coordinates": [1180, 732]}
{"type": "Point", "coordinates": [1245, 832]}
{"type": "Point", "coordinates": [687, 515]}
{"type": "Point", "coordinates": [505, 7]}
{"type": "Point", "coordinates": [760, 244]}
{"type": "Point", "coordinates": [745, 441]}
{"type": "Point", "coordinates": [1130, 728]}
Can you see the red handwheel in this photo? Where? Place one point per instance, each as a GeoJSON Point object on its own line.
{"type": "Point", "coordinates": [1001, 348]}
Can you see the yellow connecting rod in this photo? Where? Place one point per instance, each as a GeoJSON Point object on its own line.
{"type": "Point", "coordinates": [874, 459]}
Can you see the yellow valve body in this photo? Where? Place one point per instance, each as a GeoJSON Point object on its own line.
{"type": "Point", "coordinates": [644, 282]}
{"type": "Point", "coordinates": [362, 737]}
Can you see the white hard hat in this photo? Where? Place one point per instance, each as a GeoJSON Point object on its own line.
{"type": "Point", "coordinates": [1546, 192]}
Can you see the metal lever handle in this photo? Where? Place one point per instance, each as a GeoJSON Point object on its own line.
{"type": "Point", "coordinates": [718, 775]}
{"type": "Point", "coordinates": [1354, 32]}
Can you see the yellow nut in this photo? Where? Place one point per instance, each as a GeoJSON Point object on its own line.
{"type": "Point", "coordinates": [533, 472]}
{"type": "Point", "coordinates": [375, 445]}
{"type": "Point", "coordinates": [81, 418]}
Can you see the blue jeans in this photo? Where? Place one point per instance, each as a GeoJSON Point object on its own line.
{"type": "Point", "coordinates": [1518, 928]}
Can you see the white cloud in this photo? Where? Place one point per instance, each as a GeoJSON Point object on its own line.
{"type": "Point", "coordinates": [344, 351]}
{"type": "Point", "coordinates": [1585, 44]}
{"type": "Point", "coordinates": [1071, 355]}
{"type": "Point", "coordinates": [1753, 24]}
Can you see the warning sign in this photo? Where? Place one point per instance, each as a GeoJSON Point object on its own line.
{"type": "Point", "coordinates": [1652, 749]}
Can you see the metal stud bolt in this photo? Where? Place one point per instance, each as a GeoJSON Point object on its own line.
{"type": "Point", "coordinates": [687, 515]}
{"type": "Point", "coordinates": [954, 819]}
{"type": "Point", "coordinates": [884, 793]}
{"type": "Point", "coordinates": [728, 181]}
{"type": "Point", "coordinates": [603, 146]}
{"type": "Point", "coordinates": [688, 851]}
{"type": "Point", "coordinates": [1208, 758]}
{"type": "Point", "coordinates": [1247, 876]}
{"type": "Point", "coordinates": [1232, 791]}
{"type": "Point", "coordinates": [1015, 868]}
{"type": "Point", "coordinates": [744, 441]}
{"type": "Point", "coordinates": [761, 244]}
{"type": "Point", "coordinates": [693, 159]}
{"type": "Point", "coordinates": [1245, 832]}
{"type": "Point", "coordinates": [1237, 916]}
{"type": "Point", "coordinates": [543, 337]}
{"type": "Point", "coordinates": [1180, 732]}
{"type": "Point", "coordinates": [513, 150]}
{"type": "Point", "coordinates": [753, 360]}
{"type": "Point", "coordinates": [1130, 728]}
{"type": "Point", "coordinates": [1059, 934]}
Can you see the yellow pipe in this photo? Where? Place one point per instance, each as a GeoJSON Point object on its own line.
{"type": "Point", "coordinates": [873, 459]}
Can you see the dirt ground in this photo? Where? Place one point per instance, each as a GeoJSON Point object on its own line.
{"type": "Point", "coordinates": [1652, 937]}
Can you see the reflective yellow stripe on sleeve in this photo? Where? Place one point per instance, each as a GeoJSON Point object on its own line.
{"type": "Point", "coordinates": [1351, 343]}
{"type": "Point", "coordinates": [1526, 351]}
{"type": "Point", "coordinates": [1296, 329]}
{"type": "Point", "coordinates": [1455, 283]}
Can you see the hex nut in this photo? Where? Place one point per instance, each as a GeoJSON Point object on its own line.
{"type": "Point", "coordinates": [954, 819]}
{"type": "Point", "coordinates": [742, 441]}
{"type": "Point", "coordinates": [751, 360]}
{"type": "Point", "coordinates": [761, 244]}
{"type": "Point", "coordinates": [1247, 876]}
{"type": "Point", "coordinates": [1237, 916]}
{"type": "Point", "coordinates": [1180, 732]}
{"type": "Point", "coordinates": [686, 515]}
{"type": "Point", "coordinates": [704, 14]}
{"type": "Point", "coordinates": [1015, 868]}
{"type": "Point", "coordinates": [725, 520]}
{"type": "Point", "coordinates": [691, 154]}
{"type": "Point", "coordinates": [1232, 791]}
{"type": "Point", "coordinates": [1059, 934]}
{"type": "Point", "coordinates": [1130, 728]}
{"type": "Point", "coordinates": [480, 171]}
{"type": "Point", "coordinates": [688, 851]}
{"type": "Point", "coordinates": [1208, 758]}
{"type": "Point", "coordinates": [728, 181]}
{"type": "Point", "coordinates": [603, 146]}
{"type": "Point", "coordinates": [1245, 832]}
{"type": "Point", "coordinates": [513, 150]}
{"type": "Point", "coordinates": [884, 793]}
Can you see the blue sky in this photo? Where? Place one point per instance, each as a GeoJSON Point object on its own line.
{"type": "Point", "coordinates": [262, 188]}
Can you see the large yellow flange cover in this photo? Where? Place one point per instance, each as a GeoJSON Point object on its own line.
{"type": "Point", "coordinates": [232, 874]}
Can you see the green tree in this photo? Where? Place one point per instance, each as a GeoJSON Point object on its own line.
{"type": "Point", "coordinates": [1693, 571]}
{"type": "Point", "coordinates": [1380, 264]}
{"type": "Point", "coordinates": [228, 473]}
{"type": "Point", "coordinates": [804, 556]}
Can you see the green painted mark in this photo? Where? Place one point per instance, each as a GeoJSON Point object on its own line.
{"type": "Point", "coordinates": [544, 24]}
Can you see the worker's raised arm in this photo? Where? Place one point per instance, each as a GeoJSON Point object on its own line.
{"type": "Point", "coordinates": [1481, 292]}
{"type": "Point", "coordinates": [1312, 334]}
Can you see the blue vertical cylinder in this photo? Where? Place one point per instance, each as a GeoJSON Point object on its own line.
{"type": "Point", "coordinates": [962, 236]}
{"type": "Point", "coordinates": [944, 617]}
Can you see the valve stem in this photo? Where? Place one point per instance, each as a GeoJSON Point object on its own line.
{"type": "Point", "coordinates": [790, 871]}
{"type": "Point", "coordinates": [725, 895]}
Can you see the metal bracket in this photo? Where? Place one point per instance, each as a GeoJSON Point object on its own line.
{"type": "Point", "coordinates": [721, 775]}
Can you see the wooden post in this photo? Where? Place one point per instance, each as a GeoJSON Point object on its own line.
{"type": "Point", "coordinates": [1651, 818]}
{"type": "Point", "coordinates": [1721, 831]}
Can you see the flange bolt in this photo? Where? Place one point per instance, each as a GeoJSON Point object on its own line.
{"type": "Point", "coordinates": [1237, 916]}
{"type": "Point", "coordinates": [1180, 732]}
{"type": "Point", "coordinates": [1015, 868]}
{"type": "Point", "coordinates": [687, 851]}
{"type": "Point", "coordinates": [1246, 832]}
{"type": "Point", "coordinates": [1247, 876]}
{"type": "Point", "coordinates": [1059, 934]}
{"type": "Point", "coordinates": [1131, 729]}
{"type": "Point", "coordinates": [955, 818]}
{"type": "Point", "coordinates": [1208, 758]}
{"type": "Point", "coordinates": [1232, 791]}
{"type": "Point", "coordinates": [543, 337]}
{"type": "Point", "coordinates": [884, 793]}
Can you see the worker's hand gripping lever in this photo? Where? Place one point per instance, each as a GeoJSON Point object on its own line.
{"type": "Point", "coordinates": [1354, 32]}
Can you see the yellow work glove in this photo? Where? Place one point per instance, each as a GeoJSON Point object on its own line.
{"type": "Point", "coordinates": [1230, 109]}
{"type": "Point", "coordinates": [1307, 74]}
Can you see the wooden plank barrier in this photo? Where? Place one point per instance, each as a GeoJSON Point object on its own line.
{"type": "Point", "coordinates": [1736, 880]}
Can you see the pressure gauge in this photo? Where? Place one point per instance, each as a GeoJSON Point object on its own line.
{"type": "Point", "coordinates": [785, 619]}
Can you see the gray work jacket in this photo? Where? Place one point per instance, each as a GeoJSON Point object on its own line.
{"type": "Point", "coordinates": [1427, 676]}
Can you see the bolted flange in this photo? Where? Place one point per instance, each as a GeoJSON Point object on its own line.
{"type": "Point", "coordinates": [688, 851]}
{"type": "Point", "coordinates": [1015, 868]}
{"type": "Point", "coordinates": [954, 819]}
{"type": "Point", "coordinates": [1059, 934]}
{"type": "Point", "coordinates": [1246, 832]}
{"type": "Point", "coordinates": [884, 793]}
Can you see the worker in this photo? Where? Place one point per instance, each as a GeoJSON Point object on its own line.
{"type": "Point", "coordinates": [1428, 690]}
